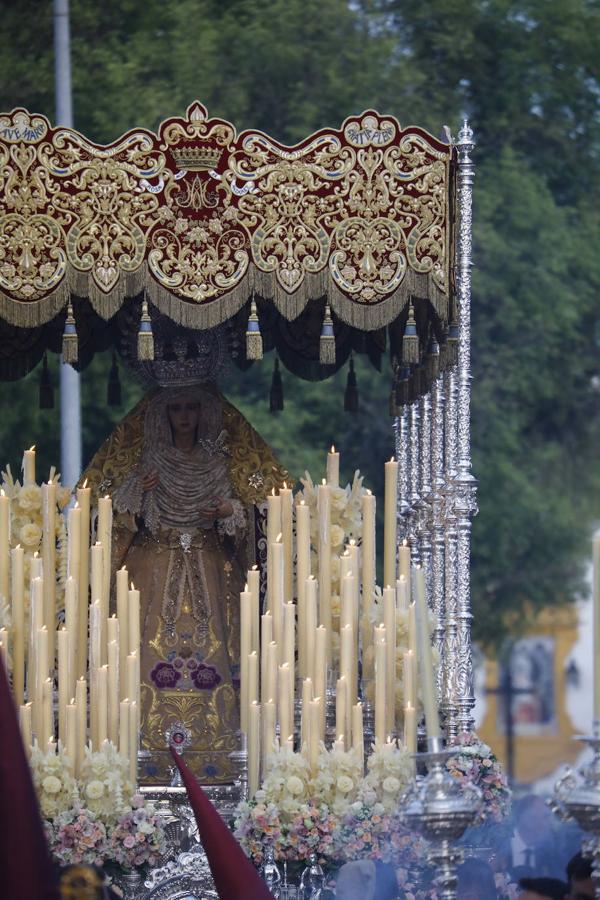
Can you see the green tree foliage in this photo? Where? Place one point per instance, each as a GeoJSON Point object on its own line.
{"type": "Point", "coordinates": [527, 73]}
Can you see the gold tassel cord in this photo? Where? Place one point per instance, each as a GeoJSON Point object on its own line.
{"type": "Point", "coordinates": [410, 339]}
{"type": "Point", "coordinates": [145, 336]}
{"type": "Point", "coordinates": [327, 340]}
{"type": "Point", "coordinates": [70, 343]}
{"type": "Point", "coordinates": [432, 360]}
{"type": "Point", "coordinates": [254, 341]}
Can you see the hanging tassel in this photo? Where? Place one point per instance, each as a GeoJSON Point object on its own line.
{"type": "Point", "coordinates": [393, 406]}
{"type": "Point", "coordinates": [46, 389]}
{"type": "Point", "coordinates": [403, 389]}
{"type": "Point", "coordinates": [113, 388]}
{"type": "Point", "coordinates": [145, 344]}
{"type": "Point", "coordinates": [327, 340]}
{"type": "Point", "coordinates": [452, 343]}
{"type": "Point", "coordinates": [70, 344]}
{"type": "Point", "coordinates": [276, 392]}
{"type": "Point", "coordinates": [254, 341]}
{"type": "Point", "coordinates": [432, 360]}
{"type": "Point", "coordinates": [410, 339]}
{"type": "Point", "coordinates": [351, 392]}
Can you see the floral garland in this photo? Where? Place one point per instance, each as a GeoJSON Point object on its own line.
{"type": "Point", "coordinates": [474, 763]}
{"type": "Point", "coordinates": [96, 818]}
{"type": "Point", "coordinates": [26, 525]}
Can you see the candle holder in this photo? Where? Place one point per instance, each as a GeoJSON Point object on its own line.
{"type": "Point", "coordinates": [239, 758]}
{"type": "Point", "coordinates": [440, 810]}
{"type": "Point", "coordinates": [577, 798]}
{"type": "Point", "coordinates": [178, 737]}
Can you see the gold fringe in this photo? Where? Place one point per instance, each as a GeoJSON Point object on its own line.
{"type": "Point", "coordinates": [209, 313]}
{"type": "Point", "coordinates": [254, 341]}
{"type": "Point", "coordinates": [70, 343]}
{"type": "Point", "coordinates": [145, 342]}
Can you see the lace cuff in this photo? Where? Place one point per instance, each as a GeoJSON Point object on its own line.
{"type": "Point", "coordinates": [230, 525]}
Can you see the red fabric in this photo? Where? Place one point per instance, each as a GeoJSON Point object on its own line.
{"type": "Point", "coordinates": [25, 867]}
{"type": "Point", "coordinates": [234, 875]}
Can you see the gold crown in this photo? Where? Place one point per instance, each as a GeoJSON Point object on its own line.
{"type": "Point", "coordinates": [197, 159]}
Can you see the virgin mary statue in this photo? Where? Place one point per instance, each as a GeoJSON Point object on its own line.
{"type": "Point", "coordinates": [186, 473]}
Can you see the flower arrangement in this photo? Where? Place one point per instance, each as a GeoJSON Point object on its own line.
{"type": "Point", "coordinates": [96, 818]}
{"type": "Point", "coordinates": [297, 812]}
{"type": "Point", "coordinates": [474, 763]}
{"type": "Point", "coordinates": [26, 524]}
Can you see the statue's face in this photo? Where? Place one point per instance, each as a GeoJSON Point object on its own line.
{"type": "Point", "coordinates": [183, 417]}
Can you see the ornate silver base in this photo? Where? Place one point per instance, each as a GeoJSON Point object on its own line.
{"type": "Point", "coordinates": [577, 797]}
{"type": "Point", "coordinates": [439, 809]}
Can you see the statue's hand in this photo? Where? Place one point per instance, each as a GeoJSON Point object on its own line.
{"type": "Point", "coordinates": [150, 480]}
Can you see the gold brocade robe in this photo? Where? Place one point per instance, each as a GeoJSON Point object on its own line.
{"type": "Point", "coordinates": [189, 658]}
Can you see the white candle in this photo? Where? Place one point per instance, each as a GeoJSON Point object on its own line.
{"type": "Point", "coordinates": [49, 562]}
{"type": "Point", "coordinates": [341, 706]}
{"type": "Point", "coordinates": [273, 529]}
{"type": "Point", "coordinates": [81, 704]}
{"type": "Point", "coordinates": [303, 571]}
{"type": "Point", "coordinates": [380, 684]}
{"type": "Point", "coordinates": [410, 678]}
{"type": "Point", "coordinates": [432, 720]}
{"type": "Point", "coordinates": [25, 722]}
{"type": "Point", "coordinates": [113, 690]}
{"type": "Point", "coordinates": [289, 635]}
{"type": "Point", "coordinates": [310, 625]}
{"type": "Point", "coordinates": [272, 666]}
{"type": "Point", "coordinates": [134, 737]}
{"type": "Point", "coordinates": [47, 714]}
{"type": "Point", "coordinates": [4, 544]}
{"type": "Point", "coordinates": [254, 749]}
{"type": "Point", "coordinates": [347, 665]}
{"type": "Point", "coordinates": [307, 696]}
{"type": "Point", "coordinates": [124, 728]}
{"type": "Point", "coordinates": [286, 718]}
{"type": "Point", "coordinates": [287, 535]}
{"type": "Point", "coordinates": [324, 513]}
{"type": "Point", "coordinates": [389, 620]}
{"type": "Point", "coordinates": [358, 741]}
{"type": "Point", "coordinates": [97, 579]}
{"type": "Point", "coordinates": [390, 528]}
{"type": "Point", "coordinates": [596, 602]}
{"type": "Point", "coordinates": [101, 711]}
{"type": "Point", "coordinates": [314, 732]}
{"type": "Point", "coordinates": [253, 696]}
{"type": "Point", "coordinates": [254, 588]}
{"type": "Point", "coordinates": [410, 729]}
{"type": "Point", "coordinates": [133, 625]}
{"type": "Point", "coordinates": [402, 594]}
{"type": "Point", "coordinates": [266, 636]}
{"type": "Point", "coordinates": [74, 542]}
{"type": "Point", "coordinates": [64, 683]}
{"type": "Point", "coordinates": [133, 676]}
{"type": "Point", "coordinates": [28, 466]}
{"type": "Point", "coordinates": [83, 499]}
{"type": "Point", "coordinates": [368, 505]}
{"type": "Point", "coordinates": [404, 564]}
{"type": "Point", "coordinates": [122, 586]}
{"type": "Point", "coordinates": [412, 628]}
{"type": "Point", "coordinates": [275, 588]}
{"type": "Point", "coordinates": [245, 647]}
{"type": "Point", "coordinates": [320, 672]}
{"type": "Point", "coordinates": [104, 535]}
{"type": "Point", "coordinates": [333, 468]}
{"type": "Point", "coordinates": [4, 648]}
{"type": "Point", "coordinates": [71, 733]}
{"type": "Point", "coordinates": [18, 624]}
{"type": "Point", "coordinates": [268, 737]}
{"type": "Point", "coordinates": [71, 617]}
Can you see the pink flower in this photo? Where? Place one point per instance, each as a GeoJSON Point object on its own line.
{"type": "Point", "coordinates": [129, 841]}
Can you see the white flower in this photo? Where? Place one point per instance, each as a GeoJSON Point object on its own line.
{"type": "Point", "coordinates": [391, 785]}
{"type": "Point", "coordinates": [30, 497]}
{"type": "Point", "coordinates": [294, 785]}
{"type": "Point", "coordinates": [30, 535]}
{"type": "Point", "coordinates": [51, 784]}
{"type": "Point", "coordinates": [94, 790]}
{"type": "Point", "coordinates": [344, 784]}
{"type": "Point", "coordinates": [337, 536]}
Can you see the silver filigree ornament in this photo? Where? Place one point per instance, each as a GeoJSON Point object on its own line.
{"type": "Point", "coordinates": [185, 540]}
{"type": "Point", "coordinates": [178, 737]}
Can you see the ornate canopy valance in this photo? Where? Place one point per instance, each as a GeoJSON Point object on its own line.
{"type": "Point", "coordinates": [200, 218]}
